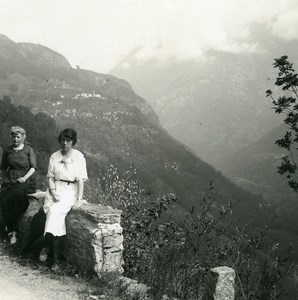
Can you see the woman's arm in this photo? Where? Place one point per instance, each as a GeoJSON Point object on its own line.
{"type": "Point", "coordinates": [27, 175]}
{"type": "Point", "coordinates": [80, 189]}
{"type": "Point", "coordinates": [79, 199]}
{"type": "Point", "coordinates": [33, 166]}
{"type": "Point", "coordinates": [52, 189]}
{"type": "Point", "coordinates": [4, 176]}
{"type": "Point", "coordinates": [81, 177]}
{"type": "Point", "coordinates": [3, 165]}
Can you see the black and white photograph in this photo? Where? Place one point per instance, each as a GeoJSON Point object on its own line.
{"type": "Point", "coordinates": [149, 149]}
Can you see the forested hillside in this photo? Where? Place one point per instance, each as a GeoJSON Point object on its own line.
{"type": "Point", "coordinates": [118, 129]}
{"type": "Point", "coordinates": [41, 132]}
{"type": "Point", "coordinates": [115, 126]}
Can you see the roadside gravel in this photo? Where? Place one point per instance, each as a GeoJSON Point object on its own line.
{"type": "Point", "coordinates": [19, 281]}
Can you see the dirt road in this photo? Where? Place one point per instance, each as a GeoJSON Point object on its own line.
{"type": "Point", "coordinates": [21, 282]}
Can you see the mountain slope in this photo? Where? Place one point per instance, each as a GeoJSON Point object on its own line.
{"type": "Point", "coordinates": [118, 127]}
{"type": "Point", "coordinates": [20, 54]}
{"type": "Point", "coordinates": [255, 167]}
{"type": "Point", "coordinates": [216, 104]}
{"type": "Point", "coordinates": [33, 74]}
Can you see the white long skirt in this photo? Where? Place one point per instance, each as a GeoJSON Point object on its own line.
{"type": "Point", "coordinates": [57, 211]}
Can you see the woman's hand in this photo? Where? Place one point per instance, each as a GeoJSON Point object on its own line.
{"type": "Point", "coordinates": [26, 176]}
{"type": "Point", "coordinates": [55, 195]}
{"type": "Point", "coordinates": [79, 202]}
{"type": "Point", "coordinates": [21, 180]}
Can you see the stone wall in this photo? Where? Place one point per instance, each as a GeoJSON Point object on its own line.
{"type": "Point", "coordinates": [95, 243]}
{"type": "Point", "coordinates": [94, 240]}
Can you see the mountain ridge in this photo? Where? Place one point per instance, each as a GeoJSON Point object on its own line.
{"type": "Point", "coordinates": [222, 95]}
{"type": "Point", "coordinates": [35, 53]}
{"type": "Point", "coordinates": [116, 126]}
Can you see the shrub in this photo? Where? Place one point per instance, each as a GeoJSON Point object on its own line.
{"type": "Point", "coordinates": [174, 255]}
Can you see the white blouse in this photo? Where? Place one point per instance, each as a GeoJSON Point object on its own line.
{"type": "Point", "coordinates": [73, 168]}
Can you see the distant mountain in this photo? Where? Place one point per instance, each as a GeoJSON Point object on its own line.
{"type": "Point", "coordinates": [115, 126]}
{"type": "Point", "coordinates": [254, 167]}
{"type": "Point", "coordinates": [215, 105]}
{"type": "Point", "coordinates": [20, 54]}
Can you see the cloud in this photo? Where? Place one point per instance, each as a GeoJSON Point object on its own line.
{"type": "Point", "coordinates": [189, 30]}
{"type": "Point", "coordinates": [96, 34]}
{"type": "Point", "coordinates": [286, 26]}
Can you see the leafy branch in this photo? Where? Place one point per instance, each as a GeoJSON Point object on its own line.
{"type": "Point", "coordinates": [287, 104]}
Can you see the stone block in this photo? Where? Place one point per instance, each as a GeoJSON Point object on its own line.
{"type": "Point", "coordinates": [225, 285]}
{"type": "Point", "coordinates": [94, 241]}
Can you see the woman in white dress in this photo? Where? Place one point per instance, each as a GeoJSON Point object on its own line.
{"type": "Point", "coordinates": [66, 175]}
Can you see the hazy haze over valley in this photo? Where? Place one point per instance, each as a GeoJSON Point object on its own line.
{"type": "Point", "coordinates": [203, 66]}
{"type": "Point", "coordinates": [215, 104]}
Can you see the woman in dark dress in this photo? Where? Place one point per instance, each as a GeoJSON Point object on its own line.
{"type": "Point", "coordinates": [18, 166]}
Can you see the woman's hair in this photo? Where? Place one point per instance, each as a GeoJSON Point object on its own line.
{"type": "Point", "coordinates": [17, 130]}
{"type": "Point", "coordinates": [68, 133]}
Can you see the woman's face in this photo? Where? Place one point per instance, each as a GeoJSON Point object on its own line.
{"type": "Point", "coordinates": [66, 144]}
{"type": "Point", "coordinates": [17, 139]}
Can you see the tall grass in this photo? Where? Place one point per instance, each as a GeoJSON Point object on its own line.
{"type": "Point", "coordinates": [172, 250]}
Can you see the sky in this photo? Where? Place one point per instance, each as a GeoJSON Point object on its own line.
{"type": "Point", "coordinates": [97, 34]}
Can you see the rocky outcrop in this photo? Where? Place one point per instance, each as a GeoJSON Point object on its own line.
{"type": "Point", "coordinates": [94, 240]}
{"type": "Point", "coordinates": [42, 55]}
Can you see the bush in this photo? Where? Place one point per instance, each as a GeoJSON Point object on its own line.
{"type": "Point", "coordinates": [174, 255]}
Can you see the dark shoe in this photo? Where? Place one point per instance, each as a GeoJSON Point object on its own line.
{"type": "Point", "coordinates": [55, 267]}
{"type": "Point", "coordinates": [43, 254]}
{"type": "Point", "coordinates": [12, 238]}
